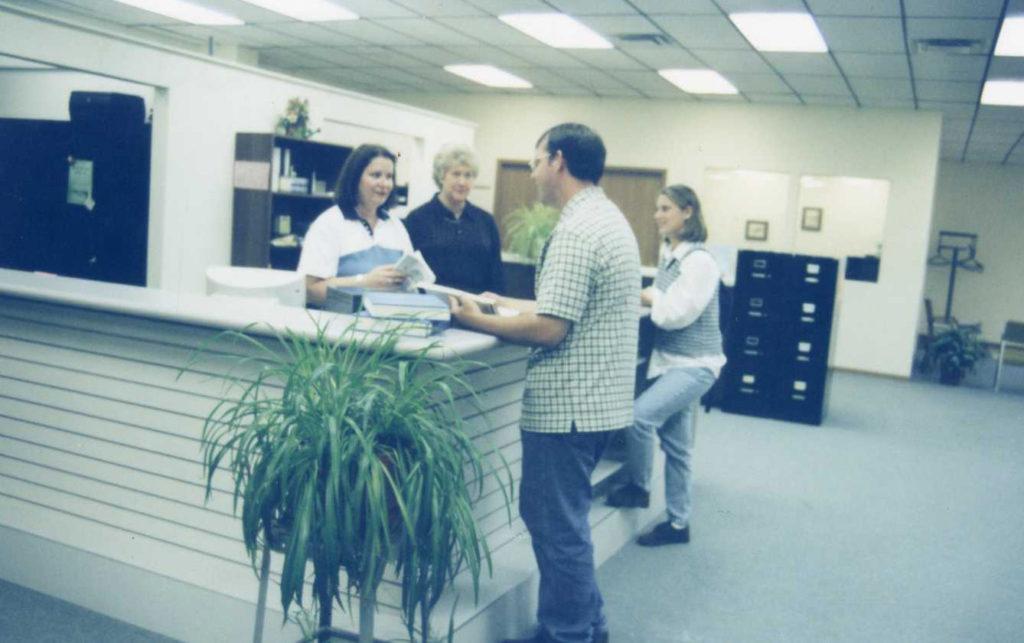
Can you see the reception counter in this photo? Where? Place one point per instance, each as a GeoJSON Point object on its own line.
{"type": "Point", "coordinates": [101, 484]}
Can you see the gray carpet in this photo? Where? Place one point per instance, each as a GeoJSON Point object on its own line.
{"type": "Point", "coordinates": [901, 519]}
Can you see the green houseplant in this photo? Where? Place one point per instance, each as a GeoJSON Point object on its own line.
{"type": "Point", "coordinates": [955, 351]}
{"type": "Point", "coordinates": [352, 456]}
{"type": "Point", "coordinates": [529, 227]}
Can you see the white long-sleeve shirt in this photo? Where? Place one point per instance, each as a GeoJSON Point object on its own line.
{"type": "Point", "coordinates": [681, 304]}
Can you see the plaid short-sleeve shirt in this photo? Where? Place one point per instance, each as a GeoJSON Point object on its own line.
{"type": "Point", "coordinates": [589, 275]}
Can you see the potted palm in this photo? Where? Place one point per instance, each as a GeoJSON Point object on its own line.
{"type": "Point", "coordinates": [955, 351]}
{"type": "Point", "coordinates": [529, 228]}
{"type": "Point", "coordinates": [346, 454]}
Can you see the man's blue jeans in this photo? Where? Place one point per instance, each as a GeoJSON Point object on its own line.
{"type": "Point", "coordinates": [554, 501]}
{"type": "Point", "coordinates": [666, 408]}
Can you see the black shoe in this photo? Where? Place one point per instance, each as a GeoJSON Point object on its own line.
{"type": "Point", "coordinates": [628, 496]}
{"type": "Point", "coordinates": [602, 637]}
{"type": "Point", "coordinates": [664, 534]}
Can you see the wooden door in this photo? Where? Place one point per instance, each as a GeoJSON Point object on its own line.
{"type": "Point", "coordinates": [634, 190]}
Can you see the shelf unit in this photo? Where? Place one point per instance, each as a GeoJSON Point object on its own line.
{"type": "Point", "coordinates": [258, 209]}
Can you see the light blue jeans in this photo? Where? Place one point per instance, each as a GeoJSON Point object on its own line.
{"type": "Point", "coordinates": [666, 407]}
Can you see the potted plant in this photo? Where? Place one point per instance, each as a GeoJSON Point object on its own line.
{"type": "Point", "coordinates": [529, 227]}
{"type": "Point", "coordinates": [295, 121]}
{"type": "Point", "coordinates": [347, 454]}
{"type": "Point", "coordinates": [955, 351]}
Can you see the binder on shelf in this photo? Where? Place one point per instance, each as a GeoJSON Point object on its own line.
{"type": "Point", "coordinates": [406, 305]}
{"type": "Point", "coordinates": [275, 169]}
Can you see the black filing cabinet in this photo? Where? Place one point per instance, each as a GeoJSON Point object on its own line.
{"type": "Point", "coordinates": [779, 337]}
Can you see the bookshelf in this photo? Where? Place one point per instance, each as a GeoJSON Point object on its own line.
{"type": "Point", "coordinates": [266, 207]}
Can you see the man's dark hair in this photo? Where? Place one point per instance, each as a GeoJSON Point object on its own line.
{"type": "Point", "coordinates": [581, 147]}
{"type": "Point", "coordinates": [346, 190]}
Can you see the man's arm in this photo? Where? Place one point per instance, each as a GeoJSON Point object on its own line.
{"type": "Point", "coordinates": [525, 328]}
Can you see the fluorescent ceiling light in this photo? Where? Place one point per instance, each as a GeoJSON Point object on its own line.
{"type": "Point", "coordinates": [1011, 37]}
{"type": "Point", "coordinates": [780, 31]}
{"type": "Point", "coordinates": [184, 11]}
{"type": "Point", "coordinates": [698, 81]}
{"type": "Point", "coordinates": [488, 75]}
{"type": "Point", "coordinates": [306, 10]}
{"type": "Point", "coordinates": [556, 30]}
{"type": "Point", "coordinates": [1003, 92]}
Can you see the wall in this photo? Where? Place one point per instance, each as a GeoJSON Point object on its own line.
{"type": "Point", "coordinates": [200, 103]}
{"type": "Point", "coordinates": [987, 200]}
{"type": "Point", "coordinates": [877, 322]}
{"type": "Point", "coordinates": [44, 93]}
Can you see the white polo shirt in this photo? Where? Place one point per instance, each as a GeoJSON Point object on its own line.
{"type": "Point", "coordinates": [331, 237]}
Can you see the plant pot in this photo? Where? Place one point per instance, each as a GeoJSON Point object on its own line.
{"type": "Point", "coordinates": [950, 376]}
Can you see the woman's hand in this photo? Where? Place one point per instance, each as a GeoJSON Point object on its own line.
{"type": "Point", "coordinates": [384, 277]}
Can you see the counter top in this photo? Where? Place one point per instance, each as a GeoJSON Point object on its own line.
{"type": "Point", "coordinates": [222, 312]}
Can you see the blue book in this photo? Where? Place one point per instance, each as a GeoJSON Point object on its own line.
{"type": "Point", "coordinates": [406, 304]}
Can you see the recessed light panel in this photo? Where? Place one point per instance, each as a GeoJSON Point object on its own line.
{"type": "Point", "coordinates": [184, 11]}
{"type": "Point", "coordinates": [1011, 37]}
{"type": "Point", "coordinates": [793, 32]}
{"type": "Point", "coordinates": [306, 10]}
{"type": "Point", "coordinates": [1003, 92]}
{"type": "Point", "coordinates": [698, 81]}
{"type": "Point", "coordinates": [488, 75]}
{"type": "Point", "coordinates": [556, 30]}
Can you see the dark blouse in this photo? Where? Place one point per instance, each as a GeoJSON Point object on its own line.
{"type": "Point", "coordinates": [464, 252]}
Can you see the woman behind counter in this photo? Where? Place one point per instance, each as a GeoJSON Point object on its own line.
{"type": "Point", "coordinates": [355, 242]}
{"type": "Point", "coordinates": [459, 241]}
{"type": "Point", "coordinates": [686, 360]}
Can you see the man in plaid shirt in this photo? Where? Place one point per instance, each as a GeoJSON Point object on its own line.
{"type": "Point", "coordinates": [579, 380]}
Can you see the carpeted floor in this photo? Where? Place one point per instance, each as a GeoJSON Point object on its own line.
{"type": "Point", "coordinates": [900, 519]}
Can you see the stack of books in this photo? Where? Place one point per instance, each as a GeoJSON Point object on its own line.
{"type": "Point", "coordinates": [411, 313]}
{"type": "Point", "coordinates": [344, 300]}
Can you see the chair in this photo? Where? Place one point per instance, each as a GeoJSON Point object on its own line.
{"type": "Point", "coordinates": [1011, 348]}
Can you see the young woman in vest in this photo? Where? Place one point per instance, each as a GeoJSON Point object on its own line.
{"type": "Point", "coordinates": [685, 362]}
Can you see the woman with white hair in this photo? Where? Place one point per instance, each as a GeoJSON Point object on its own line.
{"type": "Point", "coordinates": [459, 241]}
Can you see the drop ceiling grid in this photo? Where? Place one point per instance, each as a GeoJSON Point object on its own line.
{"type": "Point", "coordinates": [869, 62]}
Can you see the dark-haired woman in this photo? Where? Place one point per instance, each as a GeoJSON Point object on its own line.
{"type": "Point", "coordinates": [685, 362]}
{"type": "Point", "coordinates": [356, 242]}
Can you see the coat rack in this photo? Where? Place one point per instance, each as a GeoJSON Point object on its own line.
{"type": "Point", "coordinates": [956, 250]}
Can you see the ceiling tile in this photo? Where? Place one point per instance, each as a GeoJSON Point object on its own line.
{"type": "Point", "coordinates": [593, 7]}
{"type": "Point", "coordinates": [725, 60]}
{"type": "Point", "coordinates": [365, 56]}
{"type": "Point", "coordinates": [679, 7]}
{"type": "Point", "coordinates": [306, 33]}
{"type": "Point", "coordinates": [247, 35]}
{"type": "Point", "coordinates": [442, 8]}
{"type": "Point", "coordinates": [490, 31]}
{"type": "Point", "coordinates": [1005, 67]}
{"type": "Point", "coordinates": [731, 6]}
{"type": "Point", "coordinates": [431, 55]}
{"type": "Point", "coordinates": [952, 110]}
{"type": "Point", "coordinates": [488, 55]}
{"type": "Point", "coordinates": [595, 79]}
{"type": "Point", "coordinates": [996, 133]}
{"type": "Point", "coordinates": [10, 62]}
{"type": "Point", "coordinates": [933, 66]}
{"type": "Point", "coordinates": [612, 26]}
{"type": "Point", "coordinates": [986, 153]}
{"type": "Point", "coordinates": [428, 32]}
{"type": "Point", "coordinates": [608, 59]}
{"type": "Point", "coordinates": [703, 32]}
{"type": "Point", "coordinates": [1000, 113]}
{"type": "Point", "coordinates": [368, 31]}
{"type": "Point", "coordinates": [858, 8]}
{"type": "Point", "coordinates": [619, 92]}
{"type": "Point", "coordinates": [948, 91]}
{"type": "Point", "coordinates": [962, 8]}
{"type": "Point", "coordinates": [544, 78]}
{"type": "Point", "coordinates": [868, 35]}
{"type": "Point", "coordinates": [496, 7]}
{"type": "Point", "coordinates": [544, 56]}
{"type": "Point", "coordinates": [813, 64]}
{"type": "Point", "coordinates": [956, 128]}
{"type": "Point", "coordinates": [777, 99]}
{"type": "Point", "coordinates": [119, 13]}
{"type": "Point", "coordinates": [289, 58]}
{"type": "Point", "coordinates": [822, 85]}
{"type": "Point", "coordinates": [662, 57]}
{"type": "Point", "coordinates": [918, 28]}
{"type": "Point", "coordinates": [887, 102]}
{"type": "Point", "coordinates": [897, 88]}
{"type": "Point", "coordinates": [377, 9]}
{"type": "Point", "coordinates": [874, 65]}
{"type": "Point", "coordinates": [839, 101]}
{"type": "Point", "coordinates": [759, 83]}
{"type": "Point", "coordinates": [645, 81]}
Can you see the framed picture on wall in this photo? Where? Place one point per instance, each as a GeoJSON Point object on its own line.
{"type": "Point", "coordinates": [756, 230]}
{"type": "Point", "coordinates": [811, 219]}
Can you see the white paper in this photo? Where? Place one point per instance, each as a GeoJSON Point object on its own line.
{"type": "Point", "coordinates": [415, 269]}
